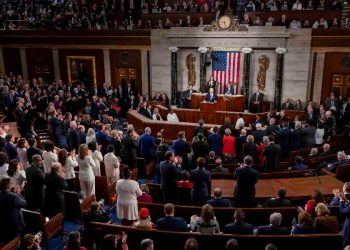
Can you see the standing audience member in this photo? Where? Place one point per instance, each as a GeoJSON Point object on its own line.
{"type": "Point", "coordinates": [169, 176]}
{"type": "Point", "coordinates": [201, 183]}
{"type": "Point", "coordinates": [55, 184]}
{"type": "Point", "coordinates": [127, 190]}
{"type": "Point", "coordinates": [344, 210]}
{"type": "Point", "coordinates": [22, 152]}
{"type": "Point", "coordinates": [228, 143]}
{"type": "Point", "coordinates": [272, 155]}
{"type": "Point", "coordinates": [86, 174]}
{"type": "Point", "coordinates": [49, 156]}
{"type": "Point", "coordinates": [245, 178]}
{"type": "Point", "coordinates": [182, 149]}
{"type": "Point", "coordinates": [147, 149]}
{"type": "Point", "coordinates": [111, 165]}
{"type": "Point", "coordinates": [317, 197]}
{"type": "Point", "coordinates": [97, 157]}
{"type": "Point", "coordinates": [69, 162]}
{"type": "Point", "coordinates": [32, 150]}
{"type": "Point", "coordinates": [34, 191]}
{"type": "Point", "coordinates": [11, 219]}
{"type": "Point", "coordinates": [214, 140]}
{"type": "Point", "coordinates": [4, 164]}
{"type": "Point", "coordinates": [10, 148]}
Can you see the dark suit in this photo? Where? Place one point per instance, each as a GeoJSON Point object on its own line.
{"type": "Point", "coordinates": [329, 103]}
{"type": "Point", "coordinates": [103, 140]}
{"type": "Point", "coordinates": [168, 181]}
{"type": "Point", "coordinates": [130, 151]}
{"type": "Point", "coordinates": [240, 141]}
{"type": "Point", "coordinates": [11, 152]}
{"type": "Point", "coordinates": [272, 129]}
{"type": "Point", "coordinates": [11, 220]}
{"type": "Point", "coordinates": [278, 202]}
{"type": "Point", "coordinates": [333, 168]}
{"type": "Point", "coordinates": [238, 228]}
{"type": "Point", "coordinates": [95, 111]}
{"type": "Point", "coordinates": [272, 230]}
{"type": "Point", "coordinates": [186, 97]}
{"type": "Point", "coordinates": [328, 125]}
{"type": "Point", "coordinates": [211, 97]}
{"type": "Point", "coordinates": [245, 177]}
{"type": "Point", "coordinates": [201, 186]}
{"type": "Point", "coordinates": [335, 201]}
{"type": "Point", "coordinates": [21, 121]}
{"type": "Point", "coordinates": [219, 202]}
{"type": "Point", "coordinates": [72, 139]}
{"type": "Point", "coordinates": [231, 90]}
{"type": "Point", "coordinates": [171, 223]}
{"type": "Point", "coordinates": [214, 141]}
{"type": "Point", "coordinates": [211, 85]}
{"type": "Point", "coordinates": [287, 106]}
{"type": "Point", "coordinates": [283, 139]}
{"type": "Point", "coordinates": [147, 147]}
{"type": "Point", "coordinates": [31, 151]}
{"type": "Point", "coordinates": [345, 210]}
{"type": "Point", "coordinates": [147, 112]}
{"type": "Point", "coordinates": [311, 119]}
{"type": "Point", "coordinates": [220, 169]}
{"type": "Point", "coordinates": [272, 155]}
{"type": "Point", "coordinates": [54, 197]}
{"type": "Point", "coordinates": [258, 98]}
{"type": "Point", "coordinates": [34, 191]}
{"type": "Point", "coordinates": [181, 148]}
{"type": "Point", "coordinates": [225, 126]}
{"type": "Point", "coordinates": [258, 136]}
{"type": "Point", "coordinates": [296, 139]}
{"type": "Point", "coordinates": [309, 137]}
{"type": "Point", "coordinates": [56, 128]}
{"type": "Point", "coordinates": [10, 106]}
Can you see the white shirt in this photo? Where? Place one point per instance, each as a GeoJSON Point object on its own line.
{"type": "Point", "coordinates": [22, 154]}
{"type": "Point", "coordinates": [97, 157]}
{"type": "Point", "coordinates": [3, 169]}
{"type": "Point", "coordinates": [69, 167]}
{"type": "Point", "coordinates": [85, 169]}
{"type": "Point", "coordinates": [240, 123]}
{"type": "Point", "coordinates": [297, 6]}
{"type": "Point", "coordinates": [172, 118]}
{"type": "Point", "coordinates": [154, 117]}
{"type": "Point", "coordinates": [111, 165]}
{"type": "Point", "coordinates": [90, 138]}
{"type": "Point", "coordinates": [49, 158]}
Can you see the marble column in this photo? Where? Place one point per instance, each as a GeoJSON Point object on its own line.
{"type": "Point", "coordinates": [202, 68]}
{"type": "Point", "coordinates": [279, 78]}
{"type": "Point", "coordinates": [173, 74]}
{"type": "Point", "coordinates": [56, 64]}
{"type": "Point", "coordinates": [144, 71]}
{"type": "Point", "coordinates": [318, 79]}
{"type": "Point", "coordinates": [246, 76]}
{"type": "Point", "coordinates": [107, 66]}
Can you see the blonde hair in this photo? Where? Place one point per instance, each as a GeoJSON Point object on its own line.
{"type": "Point", "coordinates": [83, 151]}
{"type": "Point", "coordinates": [250, 138]}
{"type": "Point", "coordinates": [321, 209]}
{"type": "Point", "coordinates": [90, 132]}
{"type": "Point", "coordinates": [114, 133]}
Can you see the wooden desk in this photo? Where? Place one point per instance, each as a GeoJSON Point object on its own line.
{"type": "Point", "coordinates": [297, 188]}
{"type": "Point", "coordinates": [225, 102]}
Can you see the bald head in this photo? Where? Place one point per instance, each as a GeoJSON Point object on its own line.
{"type": "Point", "coordinates": [243, 132]}
{"type": "Point", "coordinates": [217, 192]}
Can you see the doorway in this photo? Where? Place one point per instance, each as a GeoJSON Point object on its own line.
{"type": "Point", "coordinates": [340, 84]}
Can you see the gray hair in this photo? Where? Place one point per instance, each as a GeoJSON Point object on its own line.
{"type": "Point", "coordinates": [297, 124]}
{"type": "Point", "coordinates": [266, 140]}
{"type": "Point", "coordinates": [227, 131]}
{"type": "Point", "coordinates": [275, 219]}
{"type": "Point", "coordinates": [258, 126]}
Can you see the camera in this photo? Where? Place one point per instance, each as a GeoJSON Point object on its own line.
{"type": "Point", "coordinates": [38, 236]}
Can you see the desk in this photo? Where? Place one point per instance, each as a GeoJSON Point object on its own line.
{"type": "Point", "coordinates": [225, 102]}
{"type": "Point", "coordinates": [297, 188]}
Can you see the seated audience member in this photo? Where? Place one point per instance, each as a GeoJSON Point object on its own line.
{"type": "Point", "coordinates": [232, 244]}
{"type": "Point", "coordinates": [95, 214]}
{"type": "Point", "coordinates": [147, 244]}
{"type": "Point", "coordinates": [313, 153]}
{"type": "Point", "coordinates": [145, 197]}
{"type": "Point", "coordinates": [332, 167]}
{"type": "Point", "coordinates": [270, 246]}
{"type": "Point", "coordinates": [170, 222]}
{"type": "Point", "coordinates": [218, 201]}
{"type": "Point", "coordinates": [144, 220]}
{"type": "Point", "coordinates": [326, 150]}
{"type": "Point", "coordinates": [184, 182]}
{"type": "Point", "coordinates": [280, 200]}
{"type": "Point", "coordinates": [172, 117]}
{"type": "Point", "coordinates": [212, 158]}
{"type": "Point", "coordinates": [191, 244]}
{"type": "Point", "coordinates": [322, 23]}
{"type": "Point", "coordinates": [110, 242]}
{"type": "Point", "coordinates": [274, 228]}
{"type": "Point", "coordinates": [74, 242]}
{"type": "Point", "coordinates": [207, 222]}
{"type": "Point", "coordinates": [305, 224]}
{"type": "Point", "coordinates": [238, 226]}
{"type": "Point", "coordinates": [30, 242]}
{"type": "Point", "coordinates": [345, 23]}
{"type": "Point", "coordinates": [317, 197]}
{"type": "Point", "coordinates": [218, 167]}
{"type": "Point", "coordinates": [298, 164]}
{"type": "Point", "coordinates": [346, 192]}
{"type": "Point", "coordinates": [211, 96]}
{"type": "Point", "coordinates": [156, 116]}
{"type": "Point", "coordinates": [324, 223]}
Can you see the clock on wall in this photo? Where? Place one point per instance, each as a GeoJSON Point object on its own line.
{"type": "Point", "coordinates": [225, 22]}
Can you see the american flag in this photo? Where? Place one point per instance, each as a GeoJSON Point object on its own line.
{"type": "Point", "coordinates": [225, 68]}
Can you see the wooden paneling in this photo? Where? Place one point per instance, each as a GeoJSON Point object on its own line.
{"type": "Point", "coordinates": [40, 64]}
{"type": "Point", "coordinates": [332, 66]}
{"type": "Point", "coordinates": [76, 37]}
{"type": "Point", "coordinates": [126, 59]}
{"type": "Point", "coordinates": [98, 54]}
{"type": "Point", "coordinates": [330, 38]}
{"type": "Point", "coordinates": [12, 60]}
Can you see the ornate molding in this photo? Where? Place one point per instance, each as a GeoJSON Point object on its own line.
{"type": "Point", "coordinates": [235, 26]}
{"type": "Point", "coordinates": [203, 49]}
{"type": "Point", "coordinates": [330, 49]}
{"type": "Point", "coordinates": [174, 49]}
{"type": "Point", "coordinates": [247, 50]}
{"type": "Point", "coordinates": [280, 50]}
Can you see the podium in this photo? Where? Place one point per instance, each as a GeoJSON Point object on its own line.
{"type": "Point", "coordinates": [225, 103]}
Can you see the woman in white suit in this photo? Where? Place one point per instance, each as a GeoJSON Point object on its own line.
{"type": "Point", "coordinates": [86, 175]}
{"type": "Point", "coordinates": [96, 156]}
{"type": "Point", "coordinates": [68, 162]}
{"type": "Point", "coordinates": [127, 190]}
{"type": "Point", "coordinates": [49, 156]}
